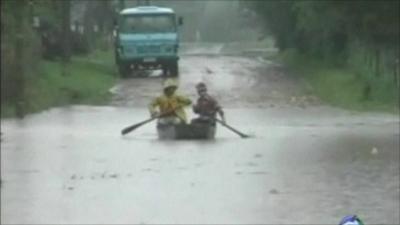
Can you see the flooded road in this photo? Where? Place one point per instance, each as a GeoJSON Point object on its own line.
{"type": "Point", "coordinates": [309, 163]}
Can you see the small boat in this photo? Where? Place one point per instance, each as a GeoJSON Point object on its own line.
{"type": "Point", "coordinates": [186, 131]}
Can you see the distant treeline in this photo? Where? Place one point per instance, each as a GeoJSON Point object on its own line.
{"type": "Point", "coordinates": [361, 33]}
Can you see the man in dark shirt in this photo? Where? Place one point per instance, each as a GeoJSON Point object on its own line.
{"type": "Point", "coordinates": [206, 106]}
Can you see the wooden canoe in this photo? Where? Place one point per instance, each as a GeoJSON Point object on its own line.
{"type": "Point", "coordinates": [186, 131]}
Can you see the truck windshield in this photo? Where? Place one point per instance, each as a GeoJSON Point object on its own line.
{"type": "Point", "coordinates": [147, 23]}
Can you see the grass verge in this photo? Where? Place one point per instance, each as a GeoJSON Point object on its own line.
{"type": "Point", "coordinates": [344, 87]}
{"type": "Point", "coordinates": [85, 80]}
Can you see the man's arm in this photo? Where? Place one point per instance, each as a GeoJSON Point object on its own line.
{"type": "Point", "coordinates": [196, 109]}
{"type": "Point", "coordinates": [221, 113]}
{"type": "Point", "coordinates": [153, 107]}
{"type": "Point", "coordinates": [218, 108]}
{"type": "Point", "coordinates": [184, 101]}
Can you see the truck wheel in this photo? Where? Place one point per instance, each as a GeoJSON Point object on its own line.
{"type": "Point", "coordinates": [174, 69]}
{"type": "Point", "coordinates": [124, 70]}
{"type": "Point", "coordinates": [165, 70]}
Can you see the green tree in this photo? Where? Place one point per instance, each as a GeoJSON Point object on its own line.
{"type": "Point", "coordinates": [279, 18]}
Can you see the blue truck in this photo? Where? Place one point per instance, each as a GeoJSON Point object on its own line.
{"type": "Point", "coordinates": [146, 38]}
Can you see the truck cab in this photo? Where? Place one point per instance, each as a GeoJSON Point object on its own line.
{"type": "Point", "coordinates": [146, 38]}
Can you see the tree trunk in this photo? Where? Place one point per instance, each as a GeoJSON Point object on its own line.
{"type": "Point", "coordinates": [20, 17]}
{"type": "Point", "coordinates": [377, 62]}
{"type": "Point", "coordinates": [66, 28]}
{"type": "Point", "coordinates": [89, 24]}
{"type": "Point", "coordinates": [66, 37]}
{"type": "Point", "coordinates": [397, 72]}
{"type": "Point", "coordinates": [121, 4]}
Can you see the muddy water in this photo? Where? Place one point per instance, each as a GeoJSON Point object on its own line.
{"type": "Point", "coordinates": [308, 163]}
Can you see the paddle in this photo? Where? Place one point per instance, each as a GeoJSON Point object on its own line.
{"type": "Point", "coordinates": [135, 126]}
{"type": "Point", "coordinates": [231, 128]}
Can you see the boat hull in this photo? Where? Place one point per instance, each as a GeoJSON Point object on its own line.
{"type": "Point", "coordinates": [186, 131]}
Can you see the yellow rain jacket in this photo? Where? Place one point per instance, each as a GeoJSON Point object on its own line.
{"type": "Point", "coordinates": [167, 104]}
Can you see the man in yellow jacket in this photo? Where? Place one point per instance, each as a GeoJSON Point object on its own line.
{"type": "Point", "coordinates": [170, 105]}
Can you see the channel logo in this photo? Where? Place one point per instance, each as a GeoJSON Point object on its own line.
{"type": "Point", "coordinates": [351, 220]}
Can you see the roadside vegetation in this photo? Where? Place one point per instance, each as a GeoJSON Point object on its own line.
{"type": "Point", "coordinates": [344, 86]}
{"type": "Point", "coordinates": [348, 51]}
{"type": "Point", "coordinates": [49, 59]}
{"type": "Point", "coordinates": [88, 82]}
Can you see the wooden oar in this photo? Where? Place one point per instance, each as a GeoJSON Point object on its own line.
{"type": "Point", "coordinates": [242, 135]}
{"type": "Point", "coordinates": [135, 126]}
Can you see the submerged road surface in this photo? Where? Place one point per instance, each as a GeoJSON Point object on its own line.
{"type": "Point", "coordinates": [308, 163]}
